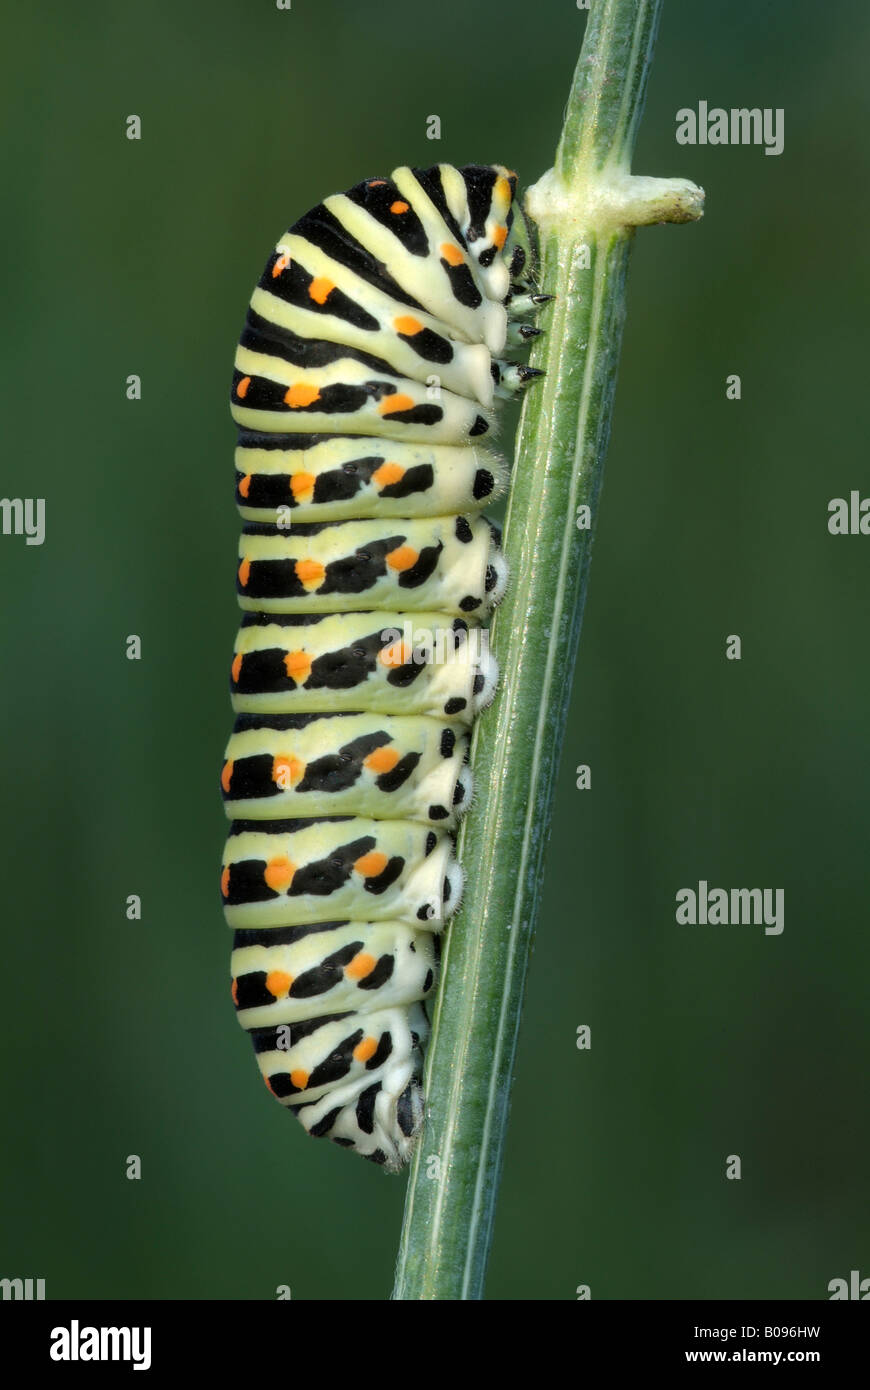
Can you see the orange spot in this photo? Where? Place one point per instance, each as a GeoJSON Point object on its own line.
{"type": "Point", "coordinates": [388, 473]}
{"type": "Point", "coordinates": [362, 964]}
{"type": "Point", "coordinates": [227, 775]}
{"type": "Point", "coordinates": [451, 253]}
{"type": "Point", "coordinates": [366, 1049]}
{"type": "Point", "coordinates": [286, 768]}
{"type": "Point", "coordinates": [372, 864]}
{"type": "Point", "coordinates": [398, 206]}
{"type": "Point", "coordinates": [407, 324]}
{"type": "Point", "coordinates": [301, 482]}
{"type": "Point", "coordinates": [320, 289]}
{"type": "Point", "coordinates": [376, 183]}
{"type": "Point", "coordinates": [245, 485]}
{"type": "Point", "coordinates": [281, 264]}
{"type": "Point", "coordinates": [390, 404]}
{"type": "Point", "coordinates": [402, 558]}
{"type": "Point", "coordinates": [397, 654]}
{"type": "Point", "coordinates": [298, 666]}
{"type": "Point", "coordinates": [279, 873]}
{"type": "Point", "coordinates": [499, 237]}
{"type": "Point", "coordinates": [278, 982]}
{"type": "Point", "coordinates": [237, 667]}
{"type": "Point", "coordinates": [242, 388]}
{"type": "Point", "coordinates": [225, 882]}
{"type": "Point", "coordinates": [299, 1078]}
{"type": "Point", "coordinates": [300, 395]}
{"type": "Point", "coordinates": [234, 991]}
{"type": "Point", "coordinates": [309, 572]}
{"type": "Point", "coordinates": [244, 572]}
{"type": "Point", "coordinates": [382, 760]}
{"type": "Point", "coordinates": [502, 188]}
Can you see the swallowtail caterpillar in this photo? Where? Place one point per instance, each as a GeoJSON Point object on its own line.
{"type": "Point", "coordinates": [364, 387]}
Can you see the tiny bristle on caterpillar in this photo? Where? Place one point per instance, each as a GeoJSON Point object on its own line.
{"type": "Point", "coordinates": [375, 351]}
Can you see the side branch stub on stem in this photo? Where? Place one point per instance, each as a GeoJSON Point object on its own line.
{"type": "Point", "coordinates": [610, 200]}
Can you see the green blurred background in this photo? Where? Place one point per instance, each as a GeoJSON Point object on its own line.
{"type": "Point", "coordinates": [119, 1037]}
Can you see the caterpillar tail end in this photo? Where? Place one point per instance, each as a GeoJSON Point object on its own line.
{"type": "Point", "coordinates": [384, 1128]}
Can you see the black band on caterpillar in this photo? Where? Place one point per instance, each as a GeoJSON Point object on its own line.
{"type": "Point", "coordinates": [366, 375]}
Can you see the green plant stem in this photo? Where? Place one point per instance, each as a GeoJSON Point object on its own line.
{"type": "Point", "coordinates": [586, 209]}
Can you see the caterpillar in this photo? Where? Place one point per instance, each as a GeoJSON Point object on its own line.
{"type": "Point", "coordinates": [365, 378]}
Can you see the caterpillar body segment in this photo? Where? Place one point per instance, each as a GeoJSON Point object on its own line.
{"type": "Point", "coordinates": [376, 348]}
{"type": "Point", "coordinates": [282, 479]}
{"type": "Point", "coordinates": [451, 564]}
{"type": "Point", "coordinates": [383, 662]}
{"type": "Point", "coordinates": [283, 975]}
{"type": "Point", "coordinates": [396, 767]}
{"type": "Point", "coordinates": [292, 872]}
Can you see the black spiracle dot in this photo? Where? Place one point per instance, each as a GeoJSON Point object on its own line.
{"type": "Point", "coordinates": [463, 530]}
{"type": "Point", "coordinates": [438, 813]}
{"type": "Point", "coordinates": [469, 603]}
{"type": "Point", "coordinates": [479, 683]}
{"type": "Point", "coordinates": [491, 579]}
{"type": "Point", "coordinates": [446, 891]}
{"type": "Point", "coordinates": [454, 705]}
{"type": "Point", "coordinates": [431, 842]}
{"type": "Point", "coordinates": [448, 743]}
{"type": "Point", "coordinates": [458, 793]}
